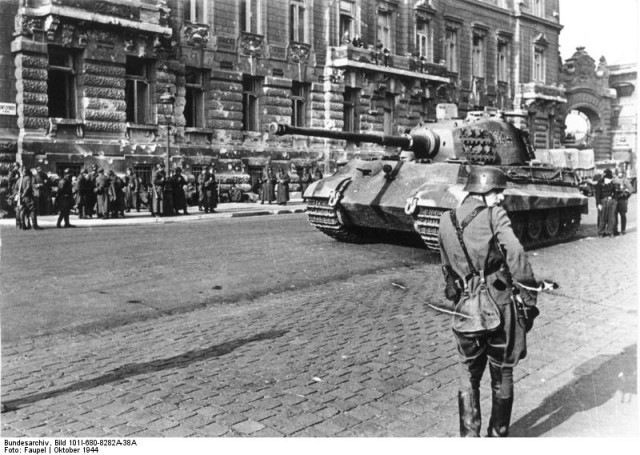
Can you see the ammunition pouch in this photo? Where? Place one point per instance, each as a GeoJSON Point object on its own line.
{"type": "Point", "coordinates": [453, 286]}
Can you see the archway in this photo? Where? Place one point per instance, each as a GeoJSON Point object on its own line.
{"type": "Point", "coordinates": [582, 126]}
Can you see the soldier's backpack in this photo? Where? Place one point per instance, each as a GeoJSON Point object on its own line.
{"type": "Point", "coordinates": [476, 313]}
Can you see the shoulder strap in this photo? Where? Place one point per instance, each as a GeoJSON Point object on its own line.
{"type": "Point", "coordinates": [459, 230]}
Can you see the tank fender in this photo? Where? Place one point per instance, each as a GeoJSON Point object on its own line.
{"type": "Point", "coordinates": [323, 189]}
{"type": "Point", "coordinates": [441, 195]}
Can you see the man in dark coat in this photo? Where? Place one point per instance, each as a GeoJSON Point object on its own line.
{"type": "Point", "coordinates": [133, 186]}
{"type": "Point", "coordinates": [211, 190]}
{"type": "Point", "coordinates": [305, 181]}
{"type": "Point", "coordinates": [84, 194]}
{"type": "Point", "coordinates": [102, 193]}
{"type": "Point", "coordinates": [605, 194]}
{"type": "Point", "coordinates": [158, 178]}
{"type": "Point", "coordinates": [116, 195]}
{"type": "Point", "coordinates": [41, 191]}
{"type": "Point", "coordinates": [177, 188]}
{"type": "Point", "coordinates": [492, 248]}
{"type": "Point", "coordinates": [64, 199]}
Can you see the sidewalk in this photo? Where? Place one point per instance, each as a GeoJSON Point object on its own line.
{"type": "Point", "coordinates": [224, 210]}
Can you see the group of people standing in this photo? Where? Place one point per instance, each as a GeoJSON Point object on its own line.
{"type": "Point", "coordinates": [275, 187]}
{"type": "Point", "coordinates": [612, 195]}
{"type": "Point", "coordinates": [168, 196]}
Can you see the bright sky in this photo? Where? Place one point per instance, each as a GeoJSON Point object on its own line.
{"type": "Point", "coordinates": [603, 27]}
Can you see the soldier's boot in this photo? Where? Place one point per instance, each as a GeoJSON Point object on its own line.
{"type": "Point", "coordinates": [469, 409]}
{"type": "Point", "coordinates": [500, 416]}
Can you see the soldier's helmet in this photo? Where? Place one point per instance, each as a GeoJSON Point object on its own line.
{"type": "Point", "coordinates": [483, 179]}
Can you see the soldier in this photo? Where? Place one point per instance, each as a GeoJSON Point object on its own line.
{"type": "Point", "coordinates": [211, 190]}
{"type": "Point", "coordinates": [305, 181]}
{"type": "Point", "coordinates": [64, 199]}
{"type": "Point", "coordinates": [157, 183]}
{"type": "Point", "coordinates": [102, 194]}
{"type": "Point", "coordinates": [14, 194]}
{"type": "Point", "coordinates": [605, 192]}
{"type": "Point", "coordinates": [92, 198]}
{"type": "Point", "coordinates": [269, 181]}
{"type": "Point", "coordinates": [116, 195]}
{"type": "Point", "coordinates": [623, 193]}
{"type": "Point", "coordinates": [132, 190]}
{"type": "Point", "coordinates": [27, 201]}
{"type": "Point", "coordinates": [41, 191]}
{"type": "Point", "coordinates": [177, 188]}
{"type": "Point", "coordinates": [488, 231]}
{"type": "Point", "coordinates": [83, 194]}
{"type": "Point", "coordinates": [283, 187]}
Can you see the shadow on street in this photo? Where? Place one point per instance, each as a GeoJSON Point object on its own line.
{"type": "Point", "coordinates": [596, 383]}
{"type": "Point", "coordinates": [129, 370]}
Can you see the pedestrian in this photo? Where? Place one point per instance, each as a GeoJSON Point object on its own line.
{"type": "Point", "coordinates": [283, 187]}
{"type": "Point", "coordinates": [14, 193]}
{"type": "Point", "coordinates": [132, 190]}
{"type": "Point", "coordinates": [92, 198]}
{"type": "Point", "coordinates": [210, 187]}
{"type": "Point", "coordinates": [317, 175]}
{"type": "Point", "coordinates": [64, 199]}
{"type": "Point", "coordinates": [494, 250]}
{"type": "Point", "coordinates": [27, 211]}
{"type": "Point", "coordinates": [269, 181]}
{"type": "Point", "coordinates": [178, 183]}
{"type": "Point", "coordinates": [157, 190]}
{"type": "Point", "coordinates": [83, 193]}
{"type": "Point", "coordinates": [102, 193]}
{"type": "Point", "coordinates": [41, 191]}
{"type": "Point", "coordinates": [605, 192]}
{"type": "Point", "coordinates": [623, 193]}
{"type": "Point", "coordinates": [305, 181]}
{"type": "Point", "coordinates": [116, 195]}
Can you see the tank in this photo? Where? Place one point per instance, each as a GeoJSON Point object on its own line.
{"type": "Point", "coordinates": [404, 192]}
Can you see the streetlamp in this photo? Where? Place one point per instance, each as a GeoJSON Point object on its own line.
{"type": "Point", "coordinates": [168, 99]}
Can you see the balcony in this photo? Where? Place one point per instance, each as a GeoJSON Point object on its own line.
{"type": "Point", "coordinates": [360, 58]}
{"type": "Point", "coordinates": [134, 14]}
{"type": "Point", "coordinates": [537, 91]}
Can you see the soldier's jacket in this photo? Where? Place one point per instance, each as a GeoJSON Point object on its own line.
{"type": "Point", "coordinates": [102, 184]}
{"type": "Point", "coordinates": [40, 184]}
{"type": "Point", "coordinates": [26, 190]}
{"type": "Point", "coordinates": [483, 250]}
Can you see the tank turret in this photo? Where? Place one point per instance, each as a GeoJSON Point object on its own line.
{"type": "Point", "coordinates": [364, 198]}
{"type": "Point", "coordinates": [424, 146]}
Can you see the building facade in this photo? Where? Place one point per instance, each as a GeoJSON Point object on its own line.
{"type": "Point", "coordinates": [83, 80]}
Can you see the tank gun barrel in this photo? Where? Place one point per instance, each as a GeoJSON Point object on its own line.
{"type": "Point", "coordinates": [424, 146]}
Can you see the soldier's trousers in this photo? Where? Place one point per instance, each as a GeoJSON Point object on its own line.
{"type": "Point", "coordinates": [621, 209]}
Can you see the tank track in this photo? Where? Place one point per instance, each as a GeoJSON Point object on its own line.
{"type": "Point", "coordinates": [426, 223]}
{"type": "Point", "coordinates": [330, 221]}
{"type": "Point", "coordinates": [534, 229]}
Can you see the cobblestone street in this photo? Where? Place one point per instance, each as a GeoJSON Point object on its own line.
{"type": "Point", "coordinates": [357, 357]}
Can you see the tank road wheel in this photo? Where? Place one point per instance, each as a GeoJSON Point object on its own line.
{"type": "Point", "coordinates": [518, 224]}
{"type": "Point", "coordinates": [569, 222]}
{"type": "Point", "coordinates": [534, 226]}
{"type": "Point", "coordinates": [552, 224]}
{"type": "Point", "coordinates": [330, 220]}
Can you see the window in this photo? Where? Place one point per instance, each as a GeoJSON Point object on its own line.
{"type": "Point", "coordinates": [298, 22]}
{"type": "Point", "coordinates": [137, 90]}
{"type": "Point", "coordinates": [503, 60]}
{"type": "Point", "coordinates": [143, 171]}
{"type": "Point", "coordinates": [347, 15]}
{"type": "Point", "coordinates": [384, 29]}
{"type": "Point", "coordinates": [424, 39]}
{"type": "Point", "coordinates": [194, 112]}
{"type": "Point", "coordinates": [250, 94]}
{"type": "Point", "coordinates": [538, 8]}
{"type": "Point", "coordinates": [250, 16]}
{"type": "Point", "coordinates": [350, 112]}
{"type": "Point", "coordinates": [451, 49]}
{"type": "Point", "coordinates": [298, 102]}
{"type": "Point", "coordinates": [477, 55]}
{"type": "Point", "coordinates": [61, 84]}
{"type": "Point", "coordinates": [539, 64]}
{"type": "Point", "coordinates": [195, 11]}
